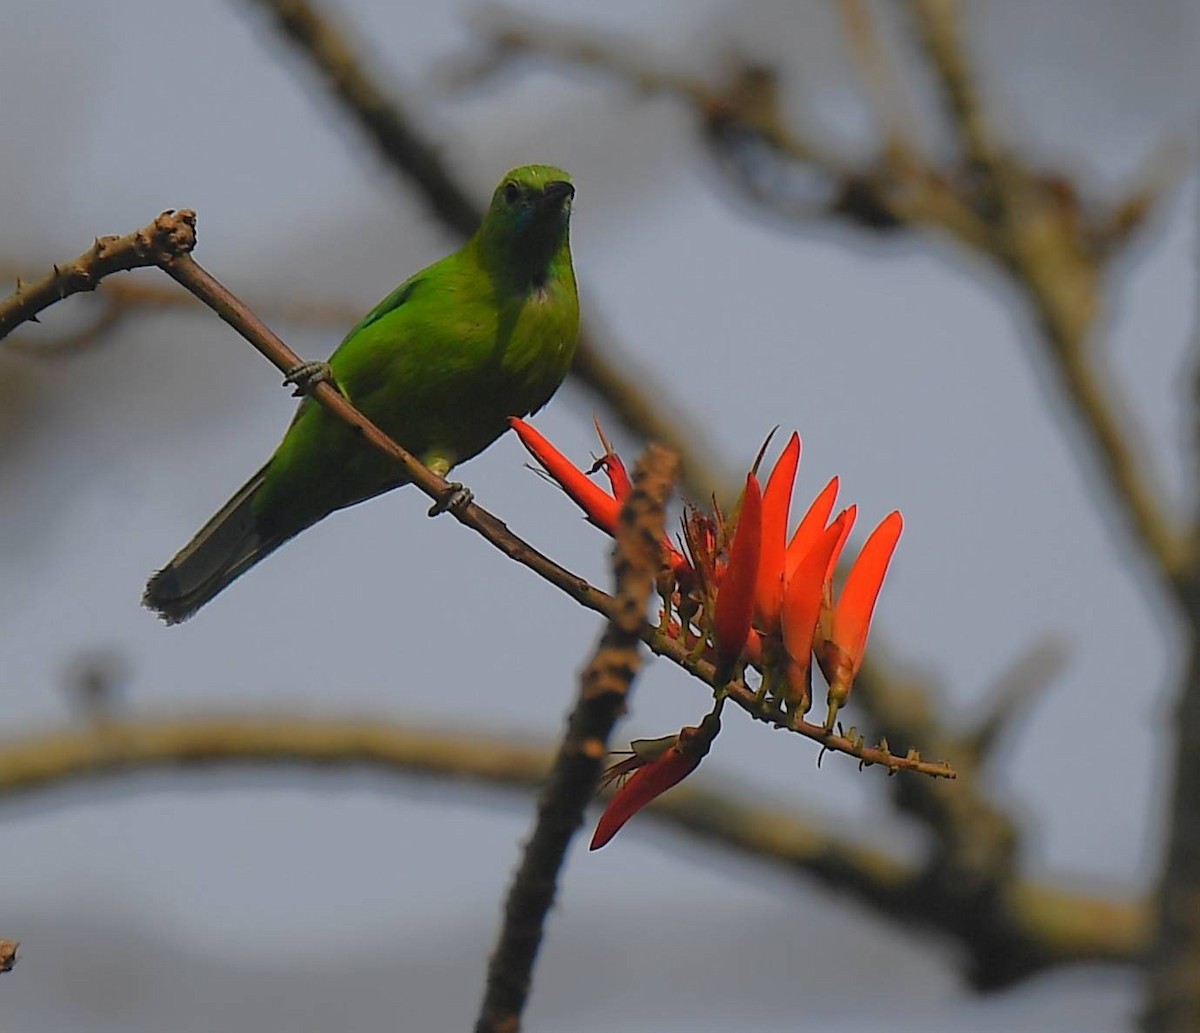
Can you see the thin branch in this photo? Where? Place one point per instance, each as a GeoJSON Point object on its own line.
{"type": "Point", "coordinates": [603, 691]}
{"type": "Point", "coordinates": [744, 125]}
{"type": "Point", "coordinates": [170, 235]}
{"type": "Point", "coordinates": [123, 298]}
{"type": "Point", "coordinates": [938, 25]}
{"type": "Point", "coordinates": [1105, 417]}
{"type": "Point", "coordinates": [1054, 925]}
{"type": "Point", "coordinates": [879, 74]}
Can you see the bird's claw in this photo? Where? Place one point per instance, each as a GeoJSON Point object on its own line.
{"type": "Point", "coordinates": [308, 375]}
{"type": "Point", "coordinates": [454, 499]}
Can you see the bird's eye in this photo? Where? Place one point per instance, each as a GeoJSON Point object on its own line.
{"type": "Point", "coordinates": [511, 192]}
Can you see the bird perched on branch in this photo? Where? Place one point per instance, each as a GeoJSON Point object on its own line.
{"type": "Point", "coordinates": [439, 365]}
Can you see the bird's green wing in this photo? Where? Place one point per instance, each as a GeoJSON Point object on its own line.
{"type": "Point", "coordinates": [389, 304]}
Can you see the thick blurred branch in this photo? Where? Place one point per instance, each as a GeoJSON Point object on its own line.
{"type": "Point", "coordinates": [1173, 998]}
{"type": "Point", "coordinates": [1051, 925]}
{"type": "Point", "coordinates": [603, 693]}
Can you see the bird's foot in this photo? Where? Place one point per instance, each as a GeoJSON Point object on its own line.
{"type": "Point", "coordinates": [455, 498]}
{"type": "Point", "coordinates": [308, 375]}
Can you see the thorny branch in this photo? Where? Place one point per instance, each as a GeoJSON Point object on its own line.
{"type": "Point", "coordinates": [171, 234]}
{"type": "Point", "coordinates": [122, 299]}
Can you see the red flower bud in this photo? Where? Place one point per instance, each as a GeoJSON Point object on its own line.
{"type": "Point", "coordinates": [734, 604]}
{"type": "Point", "coordinates": [655, 770]}
{"type": "Point", "coordinates": [601, 508]}
{"type": "Point", "coordinates": [802, 610]}
{"type": "Point", "coordinates": [776, 502]}
{"type": "Point", "coordinates": [842, 656]}
{"type": "Point", "coordinates": [811, 527]}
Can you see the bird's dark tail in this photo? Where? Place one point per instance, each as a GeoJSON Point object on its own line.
{"type": "Point", "coordinates": [222, 550]}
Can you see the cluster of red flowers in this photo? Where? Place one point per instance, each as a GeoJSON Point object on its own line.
{"type": "Point", "coordinates": [744, 593]}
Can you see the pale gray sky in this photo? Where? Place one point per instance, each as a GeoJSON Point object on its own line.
{"type": "Point", "coordinates": [308, 902]}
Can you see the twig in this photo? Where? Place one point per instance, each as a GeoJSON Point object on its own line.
{"type": "Point", "coordinates": [603, 691]}
{"type": "Point", "coordinates": [879, 75]}
{"type": "Point", "coordinates": [938, 27]}
{"type": "Point", "coordinates": [1048, 924]}
{"type": "Point", "coordinates": [170, 235]}
{"type": "Point", "coordinates": [743, 125]}
{"type": "Point", "coordinates": [123, 298]}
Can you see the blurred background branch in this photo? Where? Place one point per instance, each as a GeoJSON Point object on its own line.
{"type": "Point", "coordinates": [1048, 923]}
{"type": "Point", "coordinates": [1033, 224]}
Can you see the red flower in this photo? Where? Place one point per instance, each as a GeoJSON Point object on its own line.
{"type": "Point", "coordinates": [745, 591]}
{"type": "Point", "coordinates": [656, 767]}
{"type": "Point", "coordinates": [802, 611]}
{"type": "Point", "coordinates": [841, 654]}
{"type": "Point", "coordinates": [602, 509]}
{"type": "Point", "coordinates": [776, 501]}
{"type": "Point", "coordinates": [811, 526]}
{"type": "Point", "coordinates": [611, 463]}
{"type": "Point", "coordinates": [794, 612]}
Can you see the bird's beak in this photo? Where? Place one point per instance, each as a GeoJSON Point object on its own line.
{"type": "Point", "coordinates": [557, 192]}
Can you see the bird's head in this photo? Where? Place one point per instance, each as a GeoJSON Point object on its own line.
{"type": "Point", "coordinates": [526, 223]}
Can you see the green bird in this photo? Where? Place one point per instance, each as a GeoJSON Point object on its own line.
{"type": "Point", "coordinates": [440, 364]}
